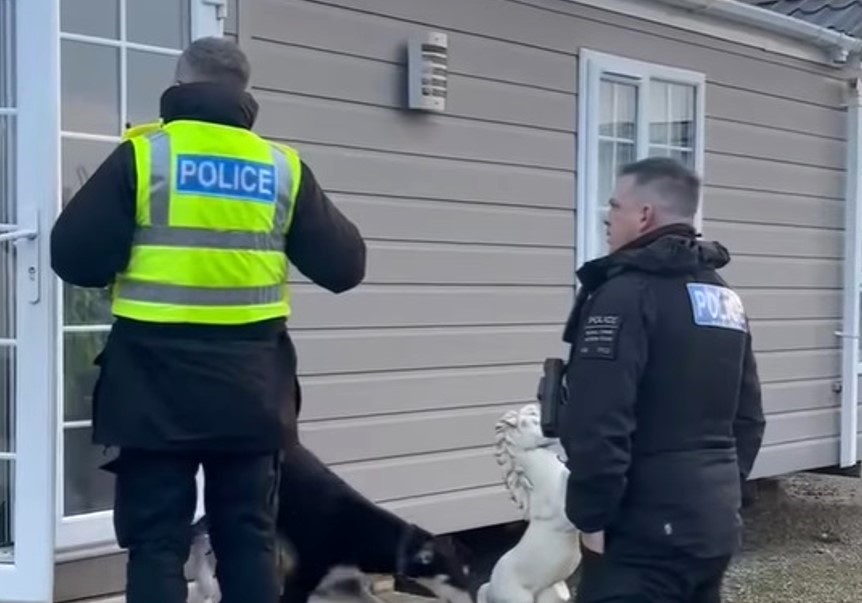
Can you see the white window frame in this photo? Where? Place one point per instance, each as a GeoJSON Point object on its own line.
{"type": "Point", "coordinates": [208, 18]}
{"type": "Point", "coordinates": [92, 534]}
{"type": "Point", "coordinates": [592, 67]}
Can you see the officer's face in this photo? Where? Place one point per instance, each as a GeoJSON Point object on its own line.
{"type": "Point", "coordinates": [629, 216]}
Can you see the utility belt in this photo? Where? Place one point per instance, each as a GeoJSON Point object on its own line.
{"type": "Point", "coordinates": [552, 395]}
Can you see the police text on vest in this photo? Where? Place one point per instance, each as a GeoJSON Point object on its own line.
{"type": "Point", "coordinates": [716, 306]}
{"type": "Point", "coordinates": [225, 177]}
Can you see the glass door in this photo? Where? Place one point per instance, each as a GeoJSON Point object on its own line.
{"type": "Point", "coordinates": [116, 58]}
{"type": "Point", "coordinates": [28, 181]}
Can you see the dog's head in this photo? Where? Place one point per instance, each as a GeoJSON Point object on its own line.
{"type": "Point", "coordinates": [439, 566]}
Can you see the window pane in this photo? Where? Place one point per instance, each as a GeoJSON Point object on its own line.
{"type": "Point", "coordinates": [682, 112]}
{"type": "Point", "coordinates": [672, 113]}
{"type": "Point", "coordinates": [7, 399]}
{"type": "Point", "coordinates": [80, 159]}
{"type": "Point", "coordinates": [626, 111]}
{"type": "Point", "coordinates": [79, 373]}
{"type": "Point", "coordinates": [7, 216]}
{"type": "Point", "coordinates": [684, 157]}
{"type": "Point", "coordinates": [7, 485]}
{"type": "Point", "coordinates": [661, 151]}
{"type": "Point", "coordinates": [607, 172]}
{"type": "Point", "coordinates": [606, 108]}
{"type": "Point", "coordinates": [86, 306]}
{"type": "Point", "coordinates": [618, 104]}
{"type": "Point", "coordinates": [90, 88]}
{"type": "Point", "coordinates": [87, 489]}
{"type": "Point", "coordinates": [99, 18]}
{"type": "Point", "coordinates": [859, 297]}
{"type": "Point", "coordinates": [149, 75]}
{"type": "Point", "coordinates": [612, 156]}
{"type": "Point", "coordinates": [7, 53]}
{"type": "Point", "coordinates": [626, 153]}
{"type": "Point", "coordinates": [659, 132]}
{"type": "Point", "coordinates": [165, 23]}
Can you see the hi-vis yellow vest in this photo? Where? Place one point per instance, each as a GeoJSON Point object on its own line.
{"type": "Point", "coordinates": [213, 206]}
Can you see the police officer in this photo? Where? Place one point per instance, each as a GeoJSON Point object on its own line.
{"type": "Point", "coordinates": [191, 223]}
{"type": "Point", "coordinates": [663, 419]}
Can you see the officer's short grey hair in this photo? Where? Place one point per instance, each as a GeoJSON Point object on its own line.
{"type": "Point", "coordinates": [673, 183]}
{"type": "Point", "coordinates": [216, 60]}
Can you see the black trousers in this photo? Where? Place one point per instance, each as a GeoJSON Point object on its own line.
{"type": "Point", "coordinates": [627, 575]}
{"type": "Point", "coordinates": [154, 507]}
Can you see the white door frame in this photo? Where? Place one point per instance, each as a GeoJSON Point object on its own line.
{"type": "Point", "coordinates": [30, 578]}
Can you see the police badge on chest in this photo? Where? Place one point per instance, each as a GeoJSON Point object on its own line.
{"type": "Point", "coordinates": [599, 336]}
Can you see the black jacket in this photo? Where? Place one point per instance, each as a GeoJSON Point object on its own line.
{"type": "Point", "coordinates": [664, 417]}
{"type": "Point", "coordinates": [196, 386]}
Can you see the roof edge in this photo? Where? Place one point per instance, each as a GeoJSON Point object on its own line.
{"type": "Point", "coordinates": [839, 44]}
{"type": "Point", "coordinates": [692, 16]}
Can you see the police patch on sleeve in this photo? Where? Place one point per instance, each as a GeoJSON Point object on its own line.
{"type": "Point", "coordinates": [599, 336]}
{"type": "Point", "coordinates": [716, 306]}
{"type": "Point", "coordinates": [225, 177]}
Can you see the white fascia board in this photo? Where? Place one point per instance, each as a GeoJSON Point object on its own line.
{"type": "Point", "coordinates": [696, 17]}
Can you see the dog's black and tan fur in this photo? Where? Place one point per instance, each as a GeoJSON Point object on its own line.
{"type": "Point", "coordinates": [323, 523]}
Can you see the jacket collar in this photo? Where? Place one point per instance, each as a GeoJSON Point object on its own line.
{"type": "Point", "coordinates": [211, 103]}
{"type": "Point", "coordinates": [670, 250]}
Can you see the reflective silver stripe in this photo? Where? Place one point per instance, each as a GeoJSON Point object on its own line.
{"type": "Point", "coordinates": [168, 236]}
{"type": "Point", "coordinates": [160, 178]}
{"type": "Point", "coordinates": [285, 186]}
{"type": "Point", "coordinates": [199, 296]}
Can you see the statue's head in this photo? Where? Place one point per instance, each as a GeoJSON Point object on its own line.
{"type": "Point", "coordinates": [522, 428]}
{"type": "Point", "coordinates": [517, 433]}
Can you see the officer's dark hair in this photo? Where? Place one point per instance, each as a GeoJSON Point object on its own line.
{"type": "Point", "coordinates": [670, 180]}
{"type": "Point", "coordinates": [216, 60]}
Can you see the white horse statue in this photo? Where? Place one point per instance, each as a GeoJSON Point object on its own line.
{"type": "Point", "coordinates": [535, 570]}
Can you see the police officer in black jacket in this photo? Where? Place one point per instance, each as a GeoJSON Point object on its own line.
{"type": "Point", "coordinates": [663, 419]}
{"type": "Point", "coordinates": [174, 396]}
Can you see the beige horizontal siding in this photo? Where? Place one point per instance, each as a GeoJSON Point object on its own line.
{"type": "Point", "coordinates": [469, 218]}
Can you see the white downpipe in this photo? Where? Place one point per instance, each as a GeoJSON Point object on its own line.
{"type": "Point", "coordinates": [841, 47]}
{"type": "Point", "coordinates": [841, 44]}
{"type": "Point", "coordinates": [852, 280]}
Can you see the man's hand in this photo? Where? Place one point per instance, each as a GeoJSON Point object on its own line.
{"type": "Point", "coordinates": [594, 542]}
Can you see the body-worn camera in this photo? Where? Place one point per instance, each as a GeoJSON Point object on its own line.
{"type": "Point", "coordinates": [552, 395]}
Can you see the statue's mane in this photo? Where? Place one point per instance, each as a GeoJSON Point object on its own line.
{"type": "Point", "coordinates": [514, 476]}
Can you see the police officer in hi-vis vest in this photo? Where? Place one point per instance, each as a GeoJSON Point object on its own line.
{"type": "Point", "coordinates": [191, 223]}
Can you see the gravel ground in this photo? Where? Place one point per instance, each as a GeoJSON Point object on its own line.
{"type": "Point", "coordinates": [803, 543]}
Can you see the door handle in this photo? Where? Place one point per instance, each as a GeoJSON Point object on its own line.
{"type": "Point", "coordinates": [13, 232]}
{"type": "Point", "coordinates": [29, 255]}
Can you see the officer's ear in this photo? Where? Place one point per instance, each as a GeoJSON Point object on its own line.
{"type": "Point", "coordinates": [647, 215]}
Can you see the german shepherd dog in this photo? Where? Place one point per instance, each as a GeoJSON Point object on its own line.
{"type": "Point", "coordinates": [324, 524]}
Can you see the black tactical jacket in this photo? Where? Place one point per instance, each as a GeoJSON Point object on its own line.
{"type": "Point", "coordinates": [664, 417]}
